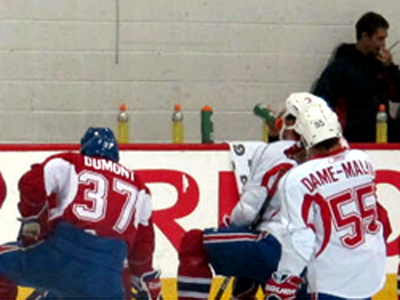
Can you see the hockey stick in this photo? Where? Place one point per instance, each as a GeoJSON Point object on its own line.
{"type": "Point", "coordinates": [255, 223]}
{"type": "Point", "coordinates": [257, 220]}
{"type": "Point", "coordinates": [222, 288]}
{"type": "Point", "coordinates": [37, 294]}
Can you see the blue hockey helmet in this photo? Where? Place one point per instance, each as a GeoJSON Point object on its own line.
{"type": "Point", "coordinates": [101, 142]}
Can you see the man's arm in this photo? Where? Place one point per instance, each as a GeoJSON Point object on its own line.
{"type": "Point", "coordinates": [299, 241]}
{"type": "Point", "coordinates": [32, 192]}
{"type": "Point", "coordinates": [297, 245]}
{"type": "Point", "coordinates": [268, 165]}
{"type": "Point", "coordinates": [32, 206]}
{"type": "Point", "coordinates": [38, 187]}
{"type": "Point", "coordinates": [142, 250]}
{"type": "Point", "coordinates": [143, 277]}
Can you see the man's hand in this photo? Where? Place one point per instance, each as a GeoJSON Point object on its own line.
{"type": "Point", "coordinates": [385, 57]}
{"type": "Point", "coordinates": [147, 286]}
{"type": "Point", "coordinates": [282, 286]}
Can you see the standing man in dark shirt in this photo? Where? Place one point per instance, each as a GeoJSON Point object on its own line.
{"type": "Point", "coordinates": [359, 78]}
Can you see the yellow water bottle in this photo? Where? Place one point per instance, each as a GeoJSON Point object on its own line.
{"type": "Point", "coordinates": [381, 125]}
{"type": "Point", "coordinates": [177, 125]}
{"type": "Point", "coordinates": [265, 131]}
{"type": "Point", "coordinates": [123, 128]}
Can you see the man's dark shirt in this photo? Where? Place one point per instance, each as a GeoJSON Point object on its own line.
{"type": "Point", "coordinates": [354, 85]}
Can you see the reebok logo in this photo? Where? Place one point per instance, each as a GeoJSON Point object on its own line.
{"type": "Point", "coordinates": [278, 290]}
{"type": "Point", "coordinates": [154, 285]}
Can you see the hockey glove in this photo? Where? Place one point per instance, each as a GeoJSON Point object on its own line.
{"type": "Point", "coordinates": [282, 287]}
{"type": "Point", "coordinates": [147, 286]}
{"type": "Point", "coordinates": [29, 231]}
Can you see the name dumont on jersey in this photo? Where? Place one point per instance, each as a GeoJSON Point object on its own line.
{"type": "Point", "coordinates": [108, 165]}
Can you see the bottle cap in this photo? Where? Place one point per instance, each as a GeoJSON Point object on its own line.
{"type": "Point", "coordinates": [206, 108]}
{"type": "Point", "coordinates": [177, 107]}
{"type": "Point", "coordinates": [382, 107]}
{"type": "Point", "coordinates": [122, 107]}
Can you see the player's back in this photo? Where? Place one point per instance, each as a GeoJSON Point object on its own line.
{"type": "Point", "coordinates": [95, 208]}
{"type": "Point", "coordinates": [98, 195]}
{"type": "Point", "coordinates": [336, 197]}
{"type": "Point", "coordinates": [268, 164]}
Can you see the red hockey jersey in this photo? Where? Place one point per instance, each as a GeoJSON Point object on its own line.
{"type": "Point", "coordinates": [98, 195]}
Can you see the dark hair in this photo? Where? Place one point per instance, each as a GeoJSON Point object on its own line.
{"type": "Point", "coordinates": [370, 22]}
{"type": "Point", "coordinates": [327, 144]}
{"type": "Point", "coordinates": [290, 117]}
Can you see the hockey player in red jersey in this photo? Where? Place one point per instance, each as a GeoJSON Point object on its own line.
{"type": "Point", "coordinates": [91, 214]}
{"type": "Point", "coordinates": [329, 222]}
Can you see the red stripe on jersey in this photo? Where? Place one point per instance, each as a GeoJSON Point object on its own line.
{"type": "Point", "coordinates": [231, 237]}
{"type": "Point", "coordinates": [325, 216]}
{"type": "Point", "coordinates": [277, 171]}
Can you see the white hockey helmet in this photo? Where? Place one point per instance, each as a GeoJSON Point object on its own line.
{"type": "Point", "coordinates": [317, 123]}
{"type": "Point", "coordinates": [295, 104]}
{"type": "Point", "coordinates": [298, 102]}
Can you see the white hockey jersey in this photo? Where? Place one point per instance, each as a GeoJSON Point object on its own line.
{"type": "Point", "coordinates": [329, 223]}
{"type": "Point", "coordinates": [268, 163]}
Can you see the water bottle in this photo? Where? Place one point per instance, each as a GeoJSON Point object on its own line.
{"type": "Point", "coordinates": [265, 132]}
{"type": "Point", "coordinates": [207, 126]}
{"type": "Point", "coordinates": [123, 128]}
{"type": "Point", "coordinates": [268, 118]}
{"type": "Point", "coordinates": [177, 125]}
{"type": "Point", "coordinates": [265, 113]}
{"type": "Point", "coordinates": [381, 125]}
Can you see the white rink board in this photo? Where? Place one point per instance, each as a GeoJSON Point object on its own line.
{"type": "Point", "coordinates": [204, 167]}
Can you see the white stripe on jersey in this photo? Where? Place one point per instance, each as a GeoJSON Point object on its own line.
{"type": "Point", "coordinates": [61, 171]}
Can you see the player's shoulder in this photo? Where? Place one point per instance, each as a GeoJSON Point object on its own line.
{"type": "Point", "coordinates": [270, 155]}
{"type": "Point", "coordinates": [67, 156]}
{"type": "Point", "coordinates": [298, 171]}
{"type": "Point", "coordinates": [317, 163]}
{"type": "Point", "coordinates": [281, 144]}
{"type": "Point", "coordinates": [71, 157]}
{"type": "Point", "coordinates": [357, 153]}
{"type": "Point", "coordinates": [272, 150]}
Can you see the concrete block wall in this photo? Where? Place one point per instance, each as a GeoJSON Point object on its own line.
{"type": "Point", "coordinates": [68, 64]}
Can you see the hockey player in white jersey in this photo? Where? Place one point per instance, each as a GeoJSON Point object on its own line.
{"type": "Point", "coordinates": [250, 253]}
{"type": "Point", "coordinates": [265, 161]}
{"type": "Point", "coordinates": [328, 222]}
